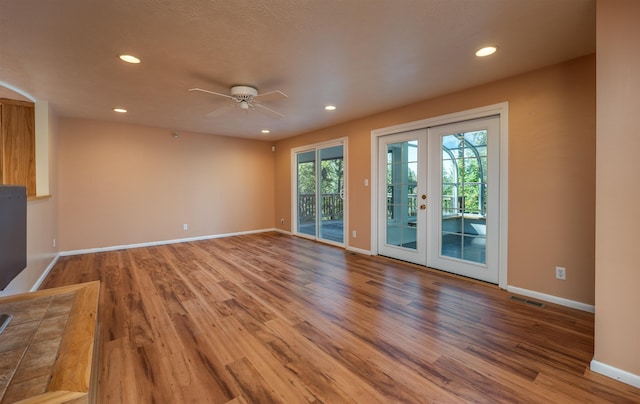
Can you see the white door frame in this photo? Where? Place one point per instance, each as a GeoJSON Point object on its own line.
{"type": "Point", "coordinates": [500, 109]}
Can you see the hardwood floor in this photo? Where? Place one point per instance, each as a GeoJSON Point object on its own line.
{"type": "Point", "coordinates": [272, 318]}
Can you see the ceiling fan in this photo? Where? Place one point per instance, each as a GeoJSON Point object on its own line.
{"type": "Point", "coordinates": [246, 98]}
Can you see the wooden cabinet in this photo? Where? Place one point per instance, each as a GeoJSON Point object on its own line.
{"type": "Point", "coordinates": [18, 144]}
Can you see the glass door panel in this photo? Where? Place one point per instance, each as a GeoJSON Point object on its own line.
{"type": "Point", "coordinates": [402, 184]}
{"type": "Point", "coordinates": [331, 186]}
{"type": "Point", "coordinates": [464, 183]}
{"type": "Point", "coordinates": [306, 179]}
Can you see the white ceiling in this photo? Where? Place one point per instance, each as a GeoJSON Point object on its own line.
{"type": "Point", "coordinates": [364, 56]}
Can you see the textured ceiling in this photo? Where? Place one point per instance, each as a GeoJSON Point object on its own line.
{"type": "Point", "coordinates": [364, 56]}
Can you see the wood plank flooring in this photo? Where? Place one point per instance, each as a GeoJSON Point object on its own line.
{"type": "Point", "coordinates": [270, 318]}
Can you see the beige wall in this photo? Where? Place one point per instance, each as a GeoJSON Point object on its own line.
{"type": "Point", "coordinates": [42, 221]}
{"type": "Point", "coordinates": [551, 172]}
{"type": "Point", "coordinates": [617, 333]}
{"type": "Point", "coordinates": [127, 184]}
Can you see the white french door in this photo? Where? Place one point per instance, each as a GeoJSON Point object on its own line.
{"type": "Point", "coordinates": [465, 190]}
{"type": "Point", "coordinates": [439, 197]}
{"type": "Point", "coordinates": [402, 198]}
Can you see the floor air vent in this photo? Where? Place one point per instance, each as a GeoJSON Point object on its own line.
{"type": "Point", "coordinates": [531, 302]}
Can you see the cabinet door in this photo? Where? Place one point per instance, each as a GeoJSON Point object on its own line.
{"type": "Point", "coordinates": [18, 148]}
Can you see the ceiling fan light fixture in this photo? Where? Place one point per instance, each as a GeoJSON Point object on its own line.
{"type": "Point", "coordinates": [486, 51]}
{"type": "Point", "coordinates": [244, 91]}
{"type": "Point", "coordinates": [244, 105]}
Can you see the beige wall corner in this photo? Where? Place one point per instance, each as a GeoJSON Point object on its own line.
{"type": "Point", "coordinates": [617, 323]}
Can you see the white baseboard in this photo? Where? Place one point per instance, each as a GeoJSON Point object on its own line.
{"type": "Point", "coordinates": [358, 250]}
{"type": "Point", "coordinates": [182, 240]}
{"type": "Point", "coordinates": [46, 271]}
{"type": "Point", "coordinates": [346, 247]}
{"type": "Point", "coordinates": [161, 242]}
{"type": "Point", "coordinates": [552, 299]}
{"type": "Point", "coordinates": [615, 373]}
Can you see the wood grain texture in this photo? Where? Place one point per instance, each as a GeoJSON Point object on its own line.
{"type": "Point", "coordinates": [18, 144]}
{"type": "Point", "coordinates": [57, 397]}
{"type": "Point", "coordinates": [277, 319]}
{"type": "Point", "coordinates": [46, 352]}
{"type": "Point", "coordinates": [72, 369]}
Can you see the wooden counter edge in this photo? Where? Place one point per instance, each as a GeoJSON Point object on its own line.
{"type": "Point", "coordinates": [71, 375]}
{"type": "Point", "coordinates": [47, 292]}
{"type": "Point", "coordinates": [72, 368]}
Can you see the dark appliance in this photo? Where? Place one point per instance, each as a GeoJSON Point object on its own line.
{"type": "Point", "coordinates": [13, 232]}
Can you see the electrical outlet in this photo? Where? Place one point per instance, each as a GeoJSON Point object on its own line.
{"type": "Point", "coordinates": [185, 227]}
{"type": "Point", "coordinates": [561, 273]}
{"type": "Point", "coordinates": [54, 242]}
{"type": "Point", "coordinates": [353, 233]}
{"type": "Point", "coordinates": [282, 221]}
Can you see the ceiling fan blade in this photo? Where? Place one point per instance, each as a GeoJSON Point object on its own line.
{"type": "Point", "coordinates": [212, 92]}
{"type": "Point", "coordinates": [268, 109]}
{"type": "Point", "coordinates": [221, 111]}
{"type": "Point", "coordinates": [270, 96]}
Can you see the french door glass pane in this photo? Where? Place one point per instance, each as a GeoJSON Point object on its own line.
{"type": "Point", "coordinates": [464, 195]}
{"type": "Point", "coordinates": [331, 179]}
{"type": "Point", "coordinates": [402, 184]}
{"type": "Point", "coordinates": [306, 163]}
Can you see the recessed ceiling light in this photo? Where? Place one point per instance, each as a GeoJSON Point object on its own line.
{"type": "Point", "coordinates": [120, 110]}
{"type": "Point", "coordinates": [486, 51]}
{"type": "Point", "coordinates": [330, 107]}
{"type": "Point", "coordinates": [265, 131]}
{"type": "Point", "coordinates": [130, 59]}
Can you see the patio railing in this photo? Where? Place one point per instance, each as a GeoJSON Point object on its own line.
{"type": "Point", "coordinates": [412, 206]}
{"type": "Point", "coordinates": [331, 207]}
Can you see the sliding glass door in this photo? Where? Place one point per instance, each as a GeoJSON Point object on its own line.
{"type": "Point", "coordinates": [319, 202]}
